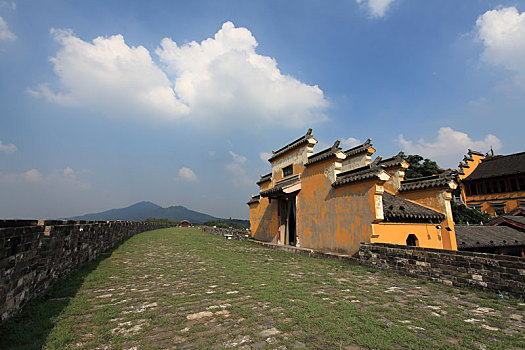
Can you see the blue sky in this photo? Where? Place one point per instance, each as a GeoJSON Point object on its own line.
{"type": "Point", "coordinates": [106, 103]}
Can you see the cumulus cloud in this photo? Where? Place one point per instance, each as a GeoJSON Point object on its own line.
{"type": "Point", "coordinates": [221, 80]}
{"type": "Point", "coordinates": [187, 174]}
{"type": "Point", "coordinates": [265, 156]}
{"type": "Point", "coordinates": [8, 149]}
{"type": "Point", "coordinates": [5, 33]}
{"type": "Point", "coordinates": [111, 77]}
{"type": "Point", "coordinates": [32, 176]}
{"type": "Point", "coordinates": [237, 168]}
{"type": "Point", "coordinates": [450, 146]}
{"type": "Point", "coordinates": [377, 8]}
{"type": "Point", "coordinates": [502, 32]}
{"type": "Point", "coordinates": [66, 176]}
{"type": "Point", "coordinates": [349, 142]}
{"type": "Point", "coordinates": [223, 77]}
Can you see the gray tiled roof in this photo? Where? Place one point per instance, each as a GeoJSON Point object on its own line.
{"type": "Point", "coordinates": [397, 209]}
{"type": "Point", "coordinates": [470, 152]}
{"type": "Point", "coordinates": [264, 178]}
{"type": "Point", "coordinates": [272, 191]}
{"type": "Point", "coordinates": [394, 161]}
{"type": "Point", "coordinates": [441, 180]}
{"type": "Point", "coordinates": [496, 166]}
{"type": "Point", "coordinates": [360, 174]}
{"type": "Point", "coordinates": [254, 199]}
{"type": "Point", "coordinates": [324, 154]}
{"type": "Point", "coordinates": [488, 236]}
{"type": "Point", "coordinates": [300, 141]}
{"type": "Point", "coordinates": [517, 218]}
{"type": "Point", "coordinates": [281, 184]}
{"type": "Point", "coordinates": [359, 149]}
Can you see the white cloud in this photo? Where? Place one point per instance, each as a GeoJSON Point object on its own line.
{"type": "Point", "coordinates": [450, 147]}
{"type": "Point", "coordinates": [219, 81]}
{"type": "Point", "coordinates": [111, 77]}
{"type": "Point", "coordinates": [8, 149]}
{"type": "Point", "coordinates": [265, 156]}
{"type": "Point", "coordinates": [69, 176]}
{"type": "Point", "coordinates": [5, 33]}
{"type": "Point", "coordinates": [223, 78]}
{"type": "Point", "coordinates": [187, 174]}
{"type": "Point", "coordinates": [63, 177]}
{"type": "Point", "coordinates": [32, 176]}
{"type": "Point", "coordinates": [349, 142]}
{"type": "Point", "coordinates": [377, 8]}
{"type": "Point", "coordinates": [237, 158]}
{"type": "Point", "coordinates": [237, 168]}
{"type": "Point", "coordinates": [502, 32]}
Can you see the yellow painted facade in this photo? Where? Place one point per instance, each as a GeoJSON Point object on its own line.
{"type": "Point", "coordinates": [428, 236]}
{"type": "Point", "coordinates": [333, 201]}
{"type": "Point", "coordinates": [502, 200]}
{"type": "Point", "coordinates": [484, 202]}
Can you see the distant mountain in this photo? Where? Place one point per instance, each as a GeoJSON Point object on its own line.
{"type": "Point", "coordinates": [144, 210]}
{"type": "Point", "coordinates": [134, 212]}
{"type": "Point", "coordinates": [178, 213]}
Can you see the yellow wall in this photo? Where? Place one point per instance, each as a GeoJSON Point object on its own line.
{"type": "Point", "coordinates": [336, 219]}
{"type": "Point", "coordinates": [485, 199]}
{"type": "Point", "coordinates": [339, 219]}
{"type": "Point", "coordinates": [298, 157]}
{"type": "Point", "coordinates": [358, 160]}
{"type": "Point", "coordinates": [263, 221]}
{"type": "Point", "coordinates": [437, 199]}
{"type": "Point", "coordinates": [396, 233]}
{"type": "Point", "coordinates": [472, 164]}
{"type": "Point", "coordinates": [397, 174]}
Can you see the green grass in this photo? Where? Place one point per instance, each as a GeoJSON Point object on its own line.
{"type": "Point", "coordinates": [144, 290]}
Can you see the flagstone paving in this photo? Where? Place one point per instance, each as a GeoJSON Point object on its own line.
{"type": "Point", "coordinates": [185, 289]}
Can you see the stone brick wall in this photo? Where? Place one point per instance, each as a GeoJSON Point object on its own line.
{"type": "Point", "coordinates": [490, 272]}
{"type": "Point", "coordinates": [34, 254]}
{"type": "Point", "coordinates": [227, 232]}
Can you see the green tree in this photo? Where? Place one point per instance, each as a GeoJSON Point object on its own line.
{"type": "Point", "coordinates": [420, 167]}
{"type": "Point", "coordinates": [463, 215]}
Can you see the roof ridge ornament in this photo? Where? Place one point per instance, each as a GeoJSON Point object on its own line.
{"type": "Point", "coordinates": [376, 161]}
{"type": "Point", "coordinates": [305, 139]}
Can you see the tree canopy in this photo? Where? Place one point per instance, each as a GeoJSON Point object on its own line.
{"type": "Point", "coordinates": [420, 167]}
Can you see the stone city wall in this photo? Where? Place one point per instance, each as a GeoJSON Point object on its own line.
{"type": "Point", "coordinates": [492, 273]}
{"type": "Point", "coordinates": [227, 232]}
{"type": "Point", "coordinates": [35, 254]}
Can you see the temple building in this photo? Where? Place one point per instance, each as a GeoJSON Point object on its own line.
{"type": "Point", "coordinates": [493, 184]}
{"type": "Point", "coordinates": [334, 200]}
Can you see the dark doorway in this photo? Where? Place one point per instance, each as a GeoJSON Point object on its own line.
{"type": "Point", "coordinates": [291, 222]}
{"type": "Point", "coordinates": [287, 224]}
{"type": "Point", "coordinates": [412, 240]}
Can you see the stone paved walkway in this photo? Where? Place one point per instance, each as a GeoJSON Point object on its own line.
{"type": "Point", "coordinates": [181, 288]}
